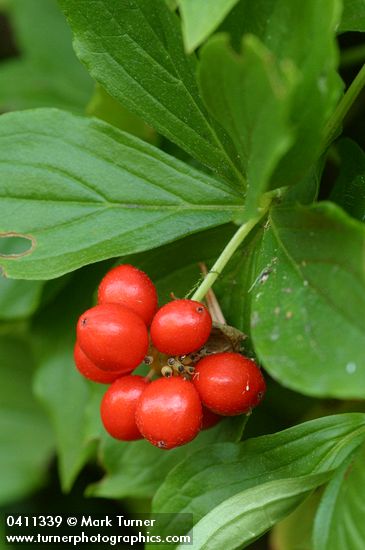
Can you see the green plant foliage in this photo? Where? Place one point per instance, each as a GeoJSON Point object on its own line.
{"type": "Point", "coordinates": [48, 72]}
{"type": "Point", "coordinates": [353, 16]}
{"type": "Point", "coordinates": [201, 18]}
{"type": "Point", "coordinates": [251, 97]}
{"type": "Point", "coordinates": [244, 517]}
{"type": "Point", "coordinates": [25, 436]}
{"type": "Point", "coordinates": [137, 468]}
{"type": "Point", "coordinates": [339, 520]}
{"type": "Point", "coordinates": [310, 258]}
{"type": "Point", "coordinates": [71, 401]}
{"type": "Point", "coordinates": [143, 38]}
{"type": "Point", "coordinates": [208, 144]}
{"type": "Point", "coordinates": [150, 198]}
{"type": "Point", "coordinates": [199, 484]}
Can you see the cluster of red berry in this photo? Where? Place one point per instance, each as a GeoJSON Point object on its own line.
{"type": "Point", "coordinates": [194, 391]}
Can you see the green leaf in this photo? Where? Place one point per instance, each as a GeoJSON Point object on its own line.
{"type": "Point", "coordinates": [308, 301]}
{"type": "Point", "coordinates": [71, 402]}
{"type": "Point", "coordinates": [349, 189]}
{"type": "Point", "coordinates": [243, 518]}
{"type": "Point", "coordinates": [353, 16]}
{"type": "Point", "coordinates": [340, 519]}
{"type": "Point", "coordinates": [48, 72]}
{"type": "Point", "coordinates": [88, 192]}
{"type": "Point", "coordinates": [311, 48]}
{"type": "Point", "coordinates": [220, 471]}
{"type": "Point", "coordinates": [201, 18]}
{"type": "Point", "coordinates": [134, 50]}
{"type": "Point", "coordinates": [295, 531]}
{"type": "Point", "coordinates": [103, 106]}
{"type": "Point", "coordinates": [26, 440]}
{"type": "Point", "coordinates": [138, 468]}
{"type": "Point", "coordinates": [250, 96]}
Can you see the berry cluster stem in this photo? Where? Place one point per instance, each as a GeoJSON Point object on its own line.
{"type": "Point", "coordinates": [229, 250]}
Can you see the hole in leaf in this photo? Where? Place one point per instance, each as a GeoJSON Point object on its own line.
{"type": "Point", "coordinates": [15, 245]}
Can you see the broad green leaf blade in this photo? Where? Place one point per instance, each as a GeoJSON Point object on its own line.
{"type": "Point", "coordinates": [218, 472]}
{"type": "Point", "coordinates": [87, 192]}
{"type": "Point", "coordinates": [308, 301]}
{"type": "Point", "coordinates": [72, 402]}
{"type": "Point", "coordinates": [200, 18]}
{"type": "Point", "coordinates": [349, 189]}
{"type": "Point", "coordinates": [138, 468]}
{"type": "Point", "coordinates": [241, 519]}
{"type": "Point", "coordinates": [26, 439]}
{"type": "Point", "coordinates": [340, 519]}
{"type": "Point", "coordinates": [353, 16]}
{"type": "Point", "coordinates": [250, 96]}
{"type": "Point", "coordinates": [135, 51]}
{"type": "Point", "coordinates": [48, 72]}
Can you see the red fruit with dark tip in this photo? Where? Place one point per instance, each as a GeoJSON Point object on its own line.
{"type": "Point", "coordinates": [113, 337]}
{"type": "Point", "coordinates": [169, 412]}
{"type": "Point", "coordinates": [118, 407]}
{"type": "Point", "coordinates": [91, 371]}
{"type": "Point", "coordinates": [228, 383]}
{"type": "Point", "coordinates": [128, 286]}
{"type": "Point", "coordinates": [181, 327]}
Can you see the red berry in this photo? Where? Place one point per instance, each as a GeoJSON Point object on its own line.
{"type": "Point", "coordinates": [181, 327]}
{"type": "Point", "coordinates": [169, 412]}
{"type": "Point", "coordinates": [113, 337]}
{"type": "Point", "coordinates": [228, 383]}
{"type": "Point", "coordinates": [118, 407]}
{"type": "Point", "coordinates": [91, 371]}
{"type": "Point", "coordinates": [128, 286]}
{"type": "Point", "coordinates": [210, 419]}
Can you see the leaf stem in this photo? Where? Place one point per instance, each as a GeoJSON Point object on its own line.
{"type": "Point", "coordinates": [343, 107]}
{"type": "Point", "coordinates": [229, 250]}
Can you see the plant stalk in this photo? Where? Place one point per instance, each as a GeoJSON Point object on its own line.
{"type": "Point", "coordinates": [229, 250]}
{"type": "Point", "coordinates": [343, 107]}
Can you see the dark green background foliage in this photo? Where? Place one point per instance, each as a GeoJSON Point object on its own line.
{"type": "Point", "coordinates": [148, 132]}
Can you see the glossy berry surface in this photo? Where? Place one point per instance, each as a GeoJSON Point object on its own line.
{"type": "Point", "coordinates": [128, 286]}
{"type": "Point", "coordinates": [91, 371]}
{"type": "Point", "coordinates": [228, 383]}
{"type": "Point", "coordinates": [181, 327]}
{"type": "Point", "coordinates": [118, 407]}
{"type": "Point", "coordinates": [169, 412]}
{"type": "Point", "coordinates": [113, 337]}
